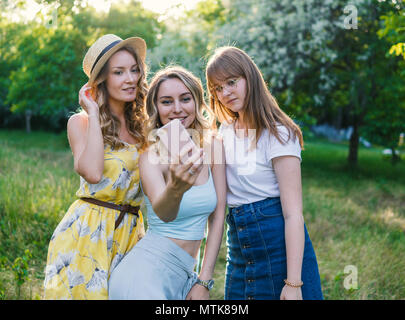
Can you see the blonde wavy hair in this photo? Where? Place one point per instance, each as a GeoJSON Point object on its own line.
{"type": "Point", "coordinates": [134, 111]}
{"type": "Point", "coordinates": [203, 122]}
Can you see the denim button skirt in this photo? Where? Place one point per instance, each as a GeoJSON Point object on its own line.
{"type": "Point", "coordinates": [256, 259]}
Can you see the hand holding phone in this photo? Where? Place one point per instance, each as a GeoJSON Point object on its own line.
{"type": "Point", "coordinates": [175, 139]}
{"type": "Point", "coordinates": [183, 156]}
{"type": "Point", "coordinates": [182, 176]}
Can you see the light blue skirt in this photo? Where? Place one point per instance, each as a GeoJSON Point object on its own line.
{"type": "Point", "coordinates": [155, 269]}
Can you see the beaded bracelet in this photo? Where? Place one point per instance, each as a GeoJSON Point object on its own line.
{"type": "Point", "coordinates": [288, 283]}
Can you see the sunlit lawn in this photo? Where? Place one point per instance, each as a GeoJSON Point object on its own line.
{"type": "Point", "coordinates": [355, 217]}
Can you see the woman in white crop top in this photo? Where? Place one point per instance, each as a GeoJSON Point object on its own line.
{"type": "Point", "coordinates": [181, 199]}
{"type": "Point", "coordinates": [270, 255]}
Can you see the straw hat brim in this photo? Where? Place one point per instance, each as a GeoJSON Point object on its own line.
{"type": "Point", "coordinates": [138, 44]}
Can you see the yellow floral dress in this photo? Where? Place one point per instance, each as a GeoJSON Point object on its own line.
{"type": "Point", "coordinates": [85, 247]}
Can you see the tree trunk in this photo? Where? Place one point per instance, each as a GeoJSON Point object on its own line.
{"type": "Point", "coordinates": [354, 145]}
{"type": "Point", "coordinates": [338, 119]}
{"type": "Point", "coordinates": [28, 115]}
{"type": "Point", "coordinates": [394, 157]}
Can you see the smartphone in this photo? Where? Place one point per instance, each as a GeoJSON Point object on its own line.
{"type": "Point", "coordinates": [173, 137]}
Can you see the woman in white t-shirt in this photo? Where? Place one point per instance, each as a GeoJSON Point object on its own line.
{"type": "Point", "coordinates": [270, 254]}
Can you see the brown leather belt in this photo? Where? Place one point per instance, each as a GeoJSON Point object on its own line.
{"type": "Point", "coordinates": [125, 208]}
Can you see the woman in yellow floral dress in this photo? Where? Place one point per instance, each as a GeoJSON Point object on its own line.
{"type": "Point", "coordinates": [105, 222]}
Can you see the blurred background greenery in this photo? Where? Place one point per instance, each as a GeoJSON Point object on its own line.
{"type": "Point", "coordinates": [336, 67]}
{"type": "Point", "coordinates": [325, 61]}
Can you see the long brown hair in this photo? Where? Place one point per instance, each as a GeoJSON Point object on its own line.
{"type": "Point", "coordinates": [134, 111]}
{"type": "Point", "coordinates": [203, 115]}
{"type": "Point", "coordinates": [261, 108]}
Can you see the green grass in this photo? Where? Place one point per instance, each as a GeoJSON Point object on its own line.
{"type": "Point", "coordinates": [355, 216]}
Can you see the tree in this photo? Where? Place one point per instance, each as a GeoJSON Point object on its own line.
{"type": "Point", "coordinates": [362, 66]}
{"type": "Point", "coordinates": [288, 41]}
{"type": "Point", "coordinates": [186, 39]}
{"type": "Point", "coordinates": [131, 20]}
{"type": "Point", "coordinates": [391, 103]}
{"type": "Point", "coordinates": [387, 121]}
{"type": "Point", "coordinates": [43, 74]}
{"type": "Point", "coordinates": [393, 30]}
{"type": "Point", "coordinates": [49, 76]}
{"type": "Point", "coordinates": [9, 35]}
{"type": "Point", "coordinates": [320, 58]}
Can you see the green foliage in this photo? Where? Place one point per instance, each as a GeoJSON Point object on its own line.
{"type": "Point", "coordinates": [188, 46]}
{"type": "Point", "coordinates": [288, 41]}
{"type": "Point", "coordinates": [20, 270]}
{"type": "Point", "coordinates": [394, 31]}
{"type": "Point", "coordinates": [37, 185]}
{"type": "Point", "coordinates": [3, 266]}
{"type": "Point", "coordinates": [9, 33]}
{"type": "Point", "coordinates": [41, 65]}
{"type": "Point", "coordinates": [386, 121]}
{"type": "Point", "coordinates": [129, 21]}
{"type": "Point", "coordinates": [398, 49]}
{"type": "Point", "coordinates": [49, 75]}
{"type": "Point", "coordinates": [318, 69]}
{"type": "Point", "coordinates": [319, 64]}
{"type": "Point", "coordinates": [210, 14]}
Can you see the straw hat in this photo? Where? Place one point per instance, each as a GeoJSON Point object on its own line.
{"type": "Point", "coordinates": [104, 48]}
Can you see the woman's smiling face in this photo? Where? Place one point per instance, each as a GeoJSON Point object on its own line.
{"type": "Point", "coordinates": [123, 76]}
{"type": "Point", "coordinates": [175, 101]}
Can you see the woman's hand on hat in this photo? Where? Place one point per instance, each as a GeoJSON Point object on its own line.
{"type": "Point", "coordinates": [87, 102]}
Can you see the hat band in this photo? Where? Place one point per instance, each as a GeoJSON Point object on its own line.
{"type": "Point", "coordinates": [112, 44]}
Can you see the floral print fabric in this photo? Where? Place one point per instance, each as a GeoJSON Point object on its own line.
{"type": "Point", "coordinates": [85, 247]}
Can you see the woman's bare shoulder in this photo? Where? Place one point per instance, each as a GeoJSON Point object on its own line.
{"type": "Point", "coordinates": [78, 118]}
{"type": "Point", "coordinates": [77, 122]}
